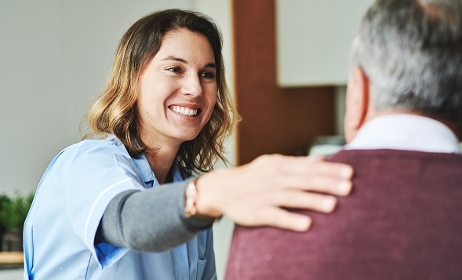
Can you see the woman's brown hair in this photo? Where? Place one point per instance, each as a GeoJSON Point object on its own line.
{"type": "Point", "coordinates": [115, 111]}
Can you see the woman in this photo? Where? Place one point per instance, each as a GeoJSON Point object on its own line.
{"type": "Point", "coordinates": [120, 204]}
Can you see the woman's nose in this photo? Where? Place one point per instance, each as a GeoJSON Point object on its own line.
{"type": "Point", "coordinates": [192, 86]}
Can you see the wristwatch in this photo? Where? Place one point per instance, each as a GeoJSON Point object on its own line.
{"type": "Point", "coordinates": [190, 210]}
{"type": "Point", "coordinates": [190, 199]}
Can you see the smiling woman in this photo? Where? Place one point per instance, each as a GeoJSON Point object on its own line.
{"type": "Point", "coordinates": [136, 199]}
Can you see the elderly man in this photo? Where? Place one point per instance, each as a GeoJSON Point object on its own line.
{"type": "Point", "coordinates": [404, 110]}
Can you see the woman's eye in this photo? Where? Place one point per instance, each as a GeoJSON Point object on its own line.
{"type": "Point", "coordinates": [174, 69]}
{"type": "Point", "coordinates": [208, 75]}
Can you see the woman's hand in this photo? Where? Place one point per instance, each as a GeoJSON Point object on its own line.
{"type": "Point", "coordinates": [256, 194]}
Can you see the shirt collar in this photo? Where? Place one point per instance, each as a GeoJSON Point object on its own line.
{"type": "Point", "coordinates": [146, 173]}
{"type": "Point", "coordinates": [405, 132]}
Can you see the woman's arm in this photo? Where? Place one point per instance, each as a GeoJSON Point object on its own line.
{"type": "Point", "coordinates": [150, 220]}
{"type": "Point", "coordinates": [255, 194]}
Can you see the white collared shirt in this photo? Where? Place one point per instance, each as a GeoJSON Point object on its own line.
{"type": "Point", "coordinates": [405, 132]}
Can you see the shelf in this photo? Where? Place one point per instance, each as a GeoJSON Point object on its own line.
{"type": "Point", "coordinates": [11, 258]}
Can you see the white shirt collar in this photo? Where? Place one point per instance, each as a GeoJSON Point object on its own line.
{"type": "Point", "coordinates": [405, 132]}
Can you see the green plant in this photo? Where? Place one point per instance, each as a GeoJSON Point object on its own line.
{"type": "Point", "coordinates": [13, 211]}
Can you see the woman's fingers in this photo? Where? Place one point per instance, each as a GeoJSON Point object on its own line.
{"type": "Point", "coordinates": [281, 218]}
{"type": "Point", "coordinates": [317, 183]}
{"type": "Point", "coordinates": [335, 169]}
{"type": "Point", "coordinates": [276, 214]}
{"type": "Point", "coordinates": [314, 174]}
{"type": "Point", "coordinates": [304, 200]}
{"type": "Point", "coordinates": [316, 165]}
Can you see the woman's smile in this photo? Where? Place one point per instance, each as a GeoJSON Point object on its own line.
{"type": "Point", "coordinates": [185, 111]}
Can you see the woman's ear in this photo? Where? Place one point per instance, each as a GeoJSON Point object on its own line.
{"type": "Point", "coordinates": [357, 103]}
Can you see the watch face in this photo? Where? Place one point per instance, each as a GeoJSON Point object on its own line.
{"type": "Point", "coordinates": [190, 193]}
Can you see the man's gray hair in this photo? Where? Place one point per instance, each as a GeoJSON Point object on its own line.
{"type": "Point", "coordinates": [411, 50]}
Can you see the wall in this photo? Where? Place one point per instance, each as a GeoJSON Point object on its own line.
{"type": "Point", "coordinates": [314, 39]}
{"type": "Point", "coordinates": [32, 106]}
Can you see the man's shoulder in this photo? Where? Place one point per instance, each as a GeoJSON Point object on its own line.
{"type": "Point", "coordinates": [357, 155]}
{"type": "Point", "coordinates": [383, 166]}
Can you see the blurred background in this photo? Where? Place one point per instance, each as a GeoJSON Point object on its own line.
{"type": "Point", "coordinates": [287, 66]}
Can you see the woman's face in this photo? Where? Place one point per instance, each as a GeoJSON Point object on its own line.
{"type": "Point", "coordinates": [178, 89]}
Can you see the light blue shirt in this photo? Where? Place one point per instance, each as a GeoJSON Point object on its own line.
{"type": "Point", "coordinates": [69, 203]}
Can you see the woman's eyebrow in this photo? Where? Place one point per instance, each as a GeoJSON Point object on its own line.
{"type": "Point", "coordinates": [174, 59]}
{"type": "Point", "coordinates": [208, 65]}
{"type": "Point", "coordinates": [211, 65]}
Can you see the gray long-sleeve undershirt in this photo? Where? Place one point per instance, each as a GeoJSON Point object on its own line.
{"type": "Point", "coordinates": [150, 220]}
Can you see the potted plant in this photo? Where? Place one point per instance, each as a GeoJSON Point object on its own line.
{"type": "Point", "coordinates": [13, 212]}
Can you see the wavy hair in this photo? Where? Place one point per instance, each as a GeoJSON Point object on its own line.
{"type": "Point", "coordinates": [115, 110]}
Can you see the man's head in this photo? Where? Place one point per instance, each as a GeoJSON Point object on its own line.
{"type": "Point", "coordinates": [407, 58]}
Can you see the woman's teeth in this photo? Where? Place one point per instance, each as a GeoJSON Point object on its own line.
{"type": "Point", "coordinates": [184, 111]}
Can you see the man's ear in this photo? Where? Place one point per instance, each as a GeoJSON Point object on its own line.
{"type": "Point", "coordinates": [357, 103]}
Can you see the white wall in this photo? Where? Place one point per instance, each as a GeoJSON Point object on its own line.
{"type": "Point", "coordinates": [32, 106]}
{"type": "Point", "coordinates": [54, 59]}
{"type": "Point", "coordinates": [314, 39]}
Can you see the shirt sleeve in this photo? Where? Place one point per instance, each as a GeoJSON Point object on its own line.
{"type": "Point", "coordinates": [150, 220]}
{"type": "Point", "coordinates": [95, 175]}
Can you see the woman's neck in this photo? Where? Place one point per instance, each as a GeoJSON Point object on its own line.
{"type": "Point", "coordinates": [160, 153]}
{"type": "Point", "coordinates": [161, 161]}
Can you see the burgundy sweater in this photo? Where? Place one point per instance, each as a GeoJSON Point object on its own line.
{"type": "Point", "coordinates": [402, 221]}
